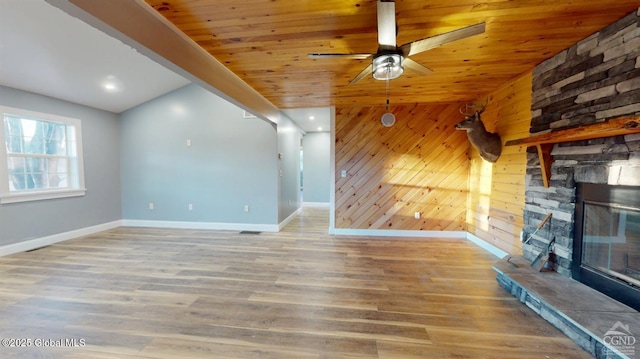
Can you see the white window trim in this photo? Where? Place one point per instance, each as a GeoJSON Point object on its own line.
{"type": "Point", "coordinates": [37, 195]}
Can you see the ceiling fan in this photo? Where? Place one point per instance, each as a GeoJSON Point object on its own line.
{"type": "Point", "coordinates": [390, 60]}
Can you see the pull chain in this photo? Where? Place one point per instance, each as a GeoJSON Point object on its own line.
{"type": "Point", "coordinates": [387, 107]}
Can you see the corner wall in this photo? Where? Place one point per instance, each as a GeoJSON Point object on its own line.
{"type": "Point", "coordinates": [496, 191]}
{"type": "Point", "coordinates": [231, 162]}
{"type": "Point", "coordinates": [20, 222]}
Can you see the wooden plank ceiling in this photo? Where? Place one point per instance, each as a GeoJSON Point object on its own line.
{"type": "Point", "coordinates": [266, 42]}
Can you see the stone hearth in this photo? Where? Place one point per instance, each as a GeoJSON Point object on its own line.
{"type": "Point", "coordinates": [588, 318]}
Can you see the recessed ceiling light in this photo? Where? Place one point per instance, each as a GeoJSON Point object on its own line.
{"type": "Point", "coordinates": [178, 109]}
{"type": "Point", "coordinates": [319, 128]}
{"type": "Point", "coordinates": [312, 118]}
{"type": "Point", "coordinates": [111, 84]}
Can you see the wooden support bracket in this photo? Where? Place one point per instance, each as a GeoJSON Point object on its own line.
{"type": "Point", "coordinates": [623, 125]}
{"type": "Point", "coordinates": [544, 154]}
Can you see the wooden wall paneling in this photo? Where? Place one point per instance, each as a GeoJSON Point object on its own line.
{"type": "Point", "coordinates": [445, 206]}
{"type": "Point", "coordinates": [354, 148]}
{"type": "Point", "coordinates": [371, 156]}
{"type": "Point", "coordinates": [353, 132]}
{"type": "Point", "coordinates": [445, 215]}
{"type": "Point", "coordinates": [375, 164]}
{"type": "Point", "coordinates": [418, 165]}
{"type": "Point", "coordinates": [478, 205]}
{"type": "Point", "coordinates": [494, 234]}
{"type": "Point", "coordinates": [505, 240]}
{"type": "Point", "coordinates": [496, 198]}
{"type": "Point", "coordinates": [352, 162]}
{"type": "Point", "coordinates": [417, 197]}
{"type": "Point", "coordinates": [367, 193]}
{"type": "Point", "coordinates": [502, 220]}
{"type": "Point", "coordinates": [375, 184]}
{"type": "Point", "coordinates": [505, 187]}
{"type": "Point", "coordinates": [373, 169]}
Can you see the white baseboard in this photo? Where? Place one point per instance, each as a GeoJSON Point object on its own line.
{"type": "Point", "coordinates": [201, 225]}
{"type": "Point", "coordinates": [398, 233]}
{"type": "Point", "coordinates": [55, 238]}
{"type": "Point", "coordinates": [487, 246]}
{"type": "Point", "coordinates": [288, 219]}
{"type": "Point", "coordinates": [316, 204]}
{"type": "Point", "coordinates": [421, 234]}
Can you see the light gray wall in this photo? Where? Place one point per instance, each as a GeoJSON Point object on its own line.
{"type": "Point", "coordinates": [101, 204]}
{"type": "Point", "coordinates": [317, 167]}
{"type": "Point", "coordinates": [289, 137]}
{"type": "Point", "coordinates": [232, 161]}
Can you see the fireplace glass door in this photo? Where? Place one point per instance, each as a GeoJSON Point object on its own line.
{"type": "Point", "coordinates": [606, 243]}
{"type": "Point", "coordinates": [611, 241]}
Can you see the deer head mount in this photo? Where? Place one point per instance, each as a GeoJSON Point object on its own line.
{"type": "Point", "coordinates": [488, 144]}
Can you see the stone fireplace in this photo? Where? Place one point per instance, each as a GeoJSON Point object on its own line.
{"type": "Point", "coordinates": [595, 80]}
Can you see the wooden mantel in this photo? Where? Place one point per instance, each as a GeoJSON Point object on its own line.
{"type": "Point", "coordinates": [623, 125]}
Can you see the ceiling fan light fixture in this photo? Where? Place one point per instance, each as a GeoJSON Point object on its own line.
{"type": "Point", "coordinates": [388, 66]}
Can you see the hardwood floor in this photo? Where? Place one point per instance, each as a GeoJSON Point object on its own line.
{"type": "Point", "coordinates": [300, 293]}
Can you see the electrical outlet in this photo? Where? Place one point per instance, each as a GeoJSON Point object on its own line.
{"type": "Point", "coordinates": [190, 206]}
{"type": "Point", "coordinates": [150, 205]}
{"type": "Point", "coordinates": [416, 215]}
{"type": "Point", "coordinates": [188, 143]}
{"type": "Point", "coordinates": [343, 173]}
{"type": "Point", "coordinates": [246, 208]}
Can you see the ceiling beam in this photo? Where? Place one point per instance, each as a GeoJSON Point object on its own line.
{"type": "Point", "coordinates": [138, 25]}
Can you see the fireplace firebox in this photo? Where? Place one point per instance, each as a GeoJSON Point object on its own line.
{"type": "Point", "coordinates": [606, 246]}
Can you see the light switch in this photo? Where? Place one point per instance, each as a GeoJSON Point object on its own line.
{"type": "Point", "coordinates": [343, 173]}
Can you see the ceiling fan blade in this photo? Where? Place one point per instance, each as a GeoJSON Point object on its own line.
{"type": "Point", "coordinates": [364, 73]}
{"type": "Point", "coordinates": [387, 25]}
{"type": "Point", "coordinates": [429, 43]}
{"type": "Point", "coordinates": [344, 56]}
{"type": "Point", "coordinates": [410, 64]}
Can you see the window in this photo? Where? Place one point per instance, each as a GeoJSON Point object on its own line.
{"type": "Point", "coordinates": [42, 156]}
